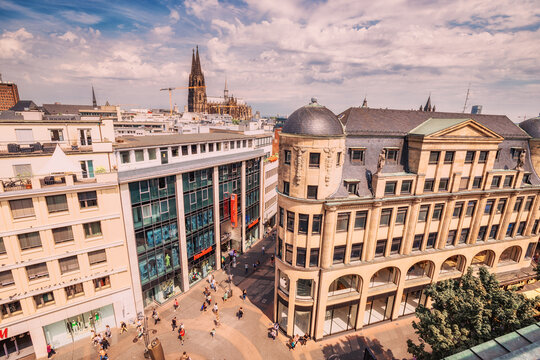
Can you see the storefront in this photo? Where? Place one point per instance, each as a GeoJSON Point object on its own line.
{"type": "Point", "coordinates": [201, 265]}
{"type": "Point", "coordinates": [252, 233]}
{"type": "Point", "coordinates": [379, 308]}
{"type": "Point", "coordinates": [16, 346]}
{"type": "Point", "coordinates": [302, 320]}
{"type": "Point", "coordinates": [167, 287]}
{"type": "Point", "coordinates": [282, 314]}
{"type": "Point", "coordinates": [79, 327]}
{"type": "Point", "coordinates": [340, 317]}
{"type": "Point", "coordinates": [411, 299]}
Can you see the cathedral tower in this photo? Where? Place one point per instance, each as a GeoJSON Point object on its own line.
{"type": "Point", "coordinates": [197, 91]}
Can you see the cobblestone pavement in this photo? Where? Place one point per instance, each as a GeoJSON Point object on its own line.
{"type": "Point", "coordinates": [245, 338]}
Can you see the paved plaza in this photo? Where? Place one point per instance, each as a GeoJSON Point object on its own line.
{"type": "Point", "coordinates": [246, 338]}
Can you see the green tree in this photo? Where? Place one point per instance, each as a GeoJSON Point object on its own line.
{"type": "Point", "coordinates": [466, 312]}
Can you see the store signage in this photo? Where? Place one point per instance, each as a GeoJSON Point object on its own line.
{"type": "Point", "coordinates": [253, 223]}
{"type": "Point", "coordinates": [204, 252]}
{"type": "Point", "coordinates": [234, 210]}
{"type": "Point", "coordinates": [3, 333]}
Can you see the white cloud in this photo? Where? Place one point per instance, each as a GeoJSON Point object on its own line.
{"type": "Point", "coordinates": [201, 8]}
{"type": "Point", "coordinates": [174, 15]}
{"type": "Point", "coordinates": [162, 30]}
{"type": "Point", "coordinates": [13, 44]}
{"type": "Point", "coordinates": [69, 36]}
{"type": "Point", "coordinates": [81, 17]}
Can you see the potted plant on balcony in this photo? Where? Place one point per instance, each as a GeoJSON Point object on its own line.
{"type": "Point", "coordinates": [24, 180]}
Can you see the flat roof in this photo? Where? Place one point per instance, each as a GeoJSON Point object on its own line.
{"type": "Point", "coordinates": [129, 142]}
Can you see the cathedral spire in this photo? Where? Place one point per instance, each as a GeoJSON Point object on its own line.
{"type": "Point", "coordinates": [226, 91]}
{"type": "Point", "coordinates": [427, 107]}
{"type": "Point", "coordinates": [94, 102]}
{"type": "Point", "coordinates": [364, 103]}
{"type": "Point", "coordinates": [198, 60]}
{"type": "Point", "coordinates": [192, 61]}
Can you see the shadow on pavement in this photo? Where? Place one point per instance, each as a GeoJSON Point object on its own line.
{"type": "Point", "coordinates": [352, 348]}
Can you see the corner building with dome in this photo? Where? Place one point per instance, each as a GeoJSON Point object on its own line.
{"type": "Point", "coordinates": [375, 204]}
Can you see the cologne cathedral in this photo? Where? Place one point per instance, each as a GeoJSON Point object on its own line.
{"type": "Point", "coordinates": [199, 102]}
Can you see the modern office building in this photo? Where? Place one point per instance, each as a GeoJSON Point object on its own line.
{"type": "Point", "coordinates": [188, 199]}
{"type": "Point", "coordinates": [376, 204]}
{"type": "Point", "coordinates": [63, 254]}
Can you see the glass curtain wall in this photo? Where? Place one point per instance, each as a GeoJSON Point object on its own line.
{"type": "Point", "coordinates": [252, 201]}
{"type": "Point", "coordinates": [156, 233]}
{"type": "Point", "coordinates": [230, 182]}
{"type": "Point", "coordinates": [199, 219]}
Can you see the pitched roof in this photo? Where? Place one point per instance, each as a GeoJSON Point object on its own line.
{"type": "Point", "coordinates": [24, 105]}
{"type": "Point", "coordinates": [63, 109]}
{"type": "Point", "coordinates": [432, 126]}
{"type": "Point", "coordinates": [388, 122]}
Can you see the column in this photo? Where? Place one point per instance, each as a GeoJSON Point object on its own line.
{"type": "Point", "coordinates": [408, 236]}
{"type": "Point", "coordinates": [242, 221]}
{"type": "Point", "coordinates": [505, 220]}
{"type": "Point", "coordinates": [182, 232]}
{"type": "Point", "coordinates": [217, 225]}
{"type": "Point", "coordinates": [443, 229]}
{"type": "Point", "coordinates": [478, 213]}
{"type": "Point", "coordinates": [329, 231]}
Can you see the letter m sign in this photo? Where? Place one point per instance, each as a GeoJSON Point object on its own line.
{"type": "Point", "coordinates": [3, 334]}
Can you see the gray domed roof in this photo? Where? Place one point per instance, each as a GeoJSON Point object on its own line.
{"type": "Point", "coordinates": [532, 127]}
{"type": "Point", "coordinates": [313, 119]}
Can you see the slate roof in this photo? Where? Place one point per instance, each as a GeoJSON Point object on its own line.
{"type": "Point", "coordinates": [10, 115]}
{"type": "Point", "coordinates": [388, 122]}
{"type": "Point", "coordinates": [64, 109]}
{"type": "Point", "coordinates": [313, 120]}
{"type": "Point", "coordinates": [24, 105]}
{"type": "Point", "coordinates": [532, 127]}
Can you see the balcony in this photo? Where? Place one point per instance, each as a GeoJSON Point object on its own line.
{"type": "Point", "coordinates": [45, 182]}
{"type": "Point", "coordinates": [46, 147]}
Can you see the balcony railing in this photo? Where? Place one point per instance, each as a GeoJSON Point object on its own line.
{"type": "Point", "coordinates": [48, 147]}
{"type": "Point", "coordinates": [40, 182]}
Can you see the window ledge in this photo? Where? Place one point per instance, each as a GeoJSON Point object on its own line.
{"type": "Point", "coordinates": [24, 218]}
{"type": "Point", "coordinates": [58, 213]}
{"type": "Point", "coordinates": [89, 209]}
{"type": "Point", "coordinates": [94, 238]}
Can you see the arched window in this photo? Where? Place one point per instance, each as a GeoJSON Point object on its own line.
{"type": "Point", "coordinates": [453, 264]}
{"type": "Point", "coordinates": [483, 258]}
{"type": "Point", "coordinates": [344, 284]}
{"type": "Point", "coordinates": [510, 255]}
{"type": "Point", "coordinates": [422, 269]}
{"type": "Point", "coordinates": [384, 276]}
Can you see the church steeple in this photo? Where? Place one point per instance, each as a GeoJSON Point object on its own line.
{"type": "Point", "coordinates": [94, 102]}
{"type": "Point", "coordinates": [364, 103]}
{"type": "Point", "coordinates": [197, 87]}
{"type": "Point", "coordinates": [192, 61]}
{"type": "Point", "coordinates": [198, 60]}
{"type": "Point", "coordinates": [226, 91]}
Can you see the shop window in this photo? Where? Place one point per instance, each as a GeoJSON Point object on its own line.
{"type": "Point", "coordinates": [282, 314]}
{"type": "Point", "coordinates": [68, 264]}
{"type": "Point", "coordinates": [356, 252]}
{"type": "Point", "coordinates": [342, 224]}
{"type": "Point", "coordinates": [449, 157]}
{"type": "Point", "coordinates": [102, 283]}
{"type": "Point", "coordinates": [303, 221]}
{"type": "Point", "coordinates": [422, 269]}
{"type": "Point", "coordinates": [300, 257]}
{"type": "Point", "coordinates": [406, 187]}
{"type": "Point", "coordinates": [386, 276]}
{"type": "Point", "coordinates": [411, 299]}
{"type": "Point", "coordinates": [339, 254]}
{"type": "Point", "coordinates": [87, 199]}
{"type": "Point", "coordinates": [316, 225]}
{"type": "Point", "coordinates": [379, 308]}
{"type": "Point", "coordinates": [29, 240]}
{"type": "Point", "coordinates": [312, 191]}
{"type": "Point", "coordinates": [44, 299]}
{"type": "Point", "coordinates": [360, 220]}
{"type": "Point", "coordinates": [343, 285]}
{"type": "Point", "coordinates": [22, 208]}
{"type": "Point", "coordinates": [92, 229]}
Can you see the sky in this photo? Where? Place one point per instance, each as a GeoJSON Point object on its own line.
{"type": "Point", "coordinates": [277, 54]}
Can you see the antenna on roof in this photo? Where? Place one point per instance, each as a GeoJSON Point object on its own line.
{"type": "Point", "coordinates": [466, 98]}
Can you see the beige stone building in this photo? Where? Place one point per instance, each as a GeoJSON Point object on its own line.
{"type": "Point", "coordinates": [373, 205]}
{"type": "Point", "coordinates": [64, 269]}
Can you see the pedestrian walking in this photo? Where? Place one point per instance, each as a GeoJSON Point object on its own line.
{"type": "Point", "coordinates": [240, 313]}
{"type": "Point", "coordinates": [246, 267]}
{"type": "Point", "coordinates": [230, 278]}
{"type": "Point", "coordinates": [209, 299]}
{"type": "Point", "coordinates": [225, 295]}
{"type": "Point", "coordinates": [173, 323]}
{"type": "Point", "coordinates": [105, 343]}
{"type": "Point", "coordinates": [185, 356]}
{"type": "Point", "coordinates": [175, 304]}
{"type": "Point", "coordinates": [244, 295]}
{"type": "Point", "coordinates": [103, 355]}
{"type": "Point", "coordinates": [155, 316]}
{"type": "Point", "coordinates": [262, 250]}
{"type": "Point", "coordinates": [215, 310]}
{"type": "Point", "coordinates": [214, 285]}
{"type": "Point", "coordinates": [213, 332]}
{"type": "Point", "coordinates": [204, 306]}
{"type": "Point", "coordinates": [50, 351]}
{"type": "Point", "coordinates": [181, 334]}
{"type": "Point", "coordinates": [218, 321]}
{"type": "Point", "coordinates": [108, 331]}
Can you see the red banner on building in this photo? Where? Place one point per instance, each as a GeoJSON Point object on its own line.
{"type": "Point", "coordinates": [204, 252]}
{"type": "Point", "coordinates": [234, 210]}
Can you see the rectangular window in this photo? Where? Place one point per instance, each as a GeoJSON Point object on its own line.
{"type": "Point", "coordinates": [423, 213]}
{"type": "Point", "coordinates": [508, 179]}
{"type": "Point", "coordinates": [352, 187]}
{"type": "Point", "coordinates": [380, 248]}
{"type": "Point", "coordinates": [290, 221]}
{"type": "Point", "coordinates": [287, 157]}
{"type": "Point", "coordinates": [406, 186]}
{"type": "Point", "coordinates": [37, 271]}
{"type": "Point", "coordinates": [528, 203]}
{"type": "Point", "coordinates": [401, 216]}
{"type": "Point", "coordinates": [194, 149]}
{"type": "Point", "coordinates": [74, 290]}
{"type": "Point", "coordinates": [451, 238]}
{"type": "Point", "coordinates": [432, 238]}
{"type": "Point", "coordinates": [477, 182]}
{"type": "Point", "coordinates": [428, 185]}
{"type": "Point", "coordinates": [87, 199]}
{"type": "Point", "coordinates": [464, 236]}
{"type": "Point", "coordinates": [92, 229]}
{"type": "Point", "coordinates": [482, 157]}
{"type": "Point", "coordinates": [510, 229]}
{"type": "Point", "coordinates": [495, 182]}
{"type": "Point", "coordinates": [463, 183]}
{"type": "Point", "coordinates": [68, 264]}
{"type": "Point", "coordinates": [417, 242]}
{"type": "Point", "coordinates": [44, 299]}
{"type": "Point", "coordinates": [97, 257]}
{"type": "Point", "coordinates": [185, 150]}
{"type": "Point", "coordinates": [21, 208]}
{"type": "Point", "coordinates": [29, 240]}
{"type": "Point", "coordinates": [152, 155]}
{"type": "Point", "coordinates": [286, 188]}
{"type": "Point", "coordinates": [314, 257]}
{"type": "Point", "coordinates": [102, 283]}
{"type": "Point", "coordinates": [515, 152]}
{"type": "Point", "coordinates": [392, 156]}
{"type": "Point", "coordinates": [3, 246]}
{"type": "Point", "coordinates": [396, 245]}
{"type": "Point", "coordinates": [301, 257]}
{"type": "Point", "coordinates": [314, 160]}
{"type": "Point", "coordinates": [56, 134]}
{"type": "Point", "coordinates": [342, 222]}
{"type": "Point", "coordinates": [139, 155]}
{"type": "Point", "coordinates": [482, 233]}
{"type": "Point", "coordinates": [125, 157]}
{"type": "Point", "coordinates": [489, 206]}
{"type": "Point", "coordinates": [175, 151]}
{"type": "Point", "coordinates": [312, 192]}
{"type": "Point", "coordinates": [521, 228]}
{"type": "Point", "coordinates": [6, 278]}
{"type": "Point", "coordinates": [360, 220]}
{"type": "Point", "coordinates": [526, 179]}
{"type": "Point", "coordinates": [390, 188]}
{"type": "Point", "coordinates": [56, 203]}
{"type": "Point", "coordinates": [356, 252]}
{"type": "Point", "coordinates": [434, 157]}
{"type": "Point", "coordinates": [339, 254]}
{"type": "Point", "coordinates": [303, 220]}
{"type": "Point", "coordinates": [501, 205]}
{"type": "Point", "coordinates": [437, 212]}
{"type": "Point", "coordinates": [386, 215]}
{"type": "Point", "coordinates": [534, 230]}
{"type": "Point", "coordinates": [449, 157]}
{"type": "Point", "coordinates": [62, 234]}
{"type": "Point", "coordinates": [469, 157]}
{"type": "Point", "coordinates": [288, 253]}
{"type": "Point", "coordinates": [493, 231]}
{"type": "Point", "coordinates": [281, 216]}
{"type": "Point", "coordinates": [517, 205]}
{"type": "Point", "coordinates": [443, 184]}
{"type": "Point", "coordinates": [471, 205]}
{"type": "Point", "coordinates": [316, 225]}
{"type": "Point", "coordinates": [357, 156]}
{"type": "Point", "coordinates": [211, 147]}
{"type": "Point", "coordinates": [458, 209]}
{"type": "Point", "coordinates": [203, 148]}
{"type": "Point", "coordinates": [11, 309]}
{"type": "Point", "coordinates": [530, 250]}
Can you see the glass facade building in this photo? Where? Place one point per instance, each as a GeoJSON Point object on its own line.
{"type": "Point", "coordinates": [252, 201]}
{"type": "Point", "coordinates": [230, 182]}
{"type": "Point", "coordinates": [155, 222]}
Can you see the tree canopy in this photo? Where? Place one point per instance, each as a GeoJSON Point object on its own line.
{"type": "Point", "coordinates": [466, 312]}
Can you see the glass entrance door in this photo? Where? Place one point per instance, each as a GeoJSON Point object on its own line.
{"type": "Point", "coordinates": [340, 317]}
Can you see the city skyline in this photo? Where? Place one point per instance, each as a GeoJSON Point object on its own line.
{"type": "Point", "coordinates": [276, 55]}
